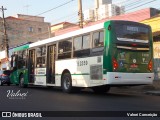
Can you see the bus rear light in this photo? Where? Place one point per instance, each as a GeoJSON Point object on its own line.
{"type": "Point", "coordinates": [3, 75]}
{"type": "Point", "coordinates": [115, 63]}
{"type": "Point", "coordinates": [150, 65]}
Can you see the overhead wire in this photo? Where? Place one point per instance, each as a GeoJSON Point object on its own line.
{"type": "Point", "coordinates": [55, 7]}
{"type": "Point", "coordinates": [68, 16]}
{"type": "Point", "coordinates": [134, 3]}
{"type": "Point", "coordinates": [142, 4]}
{"type": "Point", "coordinates": [49, 10]}
{"type": "Point", "coordinates": [72, 18]}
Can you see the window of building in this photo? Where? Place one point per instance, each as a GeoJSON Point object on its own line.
{"type": "Point", "coordinates": [98, 39]}
{"type": "Point", "coordinates": [64, 49]}
{"type": "Point", "coordinates": [41, 54]}
{"type": "Point", "coordinates": [39, 29]}
{"type": "Point", "coordinates": [30, 29]}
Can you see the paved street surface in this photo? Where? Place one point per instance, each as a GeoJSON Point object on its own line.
{"type": "Point", "coordinates": [13, 98]}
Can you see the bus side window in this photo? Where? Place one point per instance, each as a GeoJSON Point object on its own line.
{"type": "Point", "coordinates": [86, 42]}
{"type": "Point", "coordinates": [64, 49]}
{"type": "Point", "coordinates": [22, 59]}
{"type": "Point", "coordinates": [98, 39]}
{"type": "Point", "coordinates": [41, 54]}
{"type": "Point", "coordinates": [13, 60]}
{"type": "Point", "coordinates": [82, 46]}
{"type": "Point", "coordinates": [78, 43]}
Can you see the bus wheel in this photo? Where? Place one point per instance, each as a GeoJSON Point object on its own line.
{"type": "Point", "coordinates": [101, 89]}
{"type": "Point", "coordinates": [66, 83]}
{"type": "Point", "coordinates": [21, 83]}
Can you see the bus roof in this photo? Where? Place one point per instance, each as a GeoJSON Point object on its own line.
{"type": "Point", "coordinates": [68, 35]}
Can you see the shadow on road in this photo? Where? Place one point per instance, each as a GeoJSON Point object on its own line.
{"type": "Point", "coordinates": [83, 92]}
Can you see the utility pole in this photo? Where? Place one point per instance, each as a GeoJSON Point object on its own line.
{"type": "Point", "coordinates": [5, 39]}
{"type": "Point", "coordinates": [96, 6]}
{"type": "Point", "coordinates": [80, 13]}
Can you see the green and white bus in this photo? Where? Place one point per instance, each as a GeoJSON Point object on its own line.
{"type": "Point", "coordinates": [113, 53]}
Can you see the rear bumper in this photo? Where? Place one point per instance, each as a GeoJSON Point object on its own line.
{"type": "Point", "coordinates": [5, 81]}
{"type": "Point", "coordinates": [129, 78]}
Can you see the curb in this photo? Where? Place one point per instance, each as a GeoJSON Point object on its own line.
{"type": "Point", "coordinates": [157, 93]}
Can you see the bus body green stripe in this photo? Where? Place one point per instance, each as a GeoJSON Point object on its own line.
{"type": "Point", "coordinates": [75, 74]}
{"type": "Point", "coordinates": [24, 47]}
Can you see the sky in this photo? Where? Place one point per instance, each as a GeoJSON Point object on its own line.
{"type": "Point", "coordinates": [68, 12]}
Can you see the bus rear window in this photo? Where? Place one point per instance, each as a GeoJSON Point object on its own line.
{"type": "Point", "coordinates": [132, 33]}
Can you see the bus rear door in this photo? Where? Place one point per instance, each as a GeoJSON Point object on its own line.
{"type": "Point", "coordinates": [51, 51]}
{"type": "Point", "coordinates": [31, 65]}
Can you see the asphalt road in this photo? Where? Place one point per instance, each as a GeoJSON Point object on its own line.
{"type": "Point", "coordinates": [13, 98]}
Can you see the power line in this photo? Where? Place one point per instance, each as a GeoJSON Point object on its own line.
{"type": "Point", "coordinates": [134, 3]}
{"type": "Point", "coordinates": [51, 9]}
{"type": "Point", "coordinates": [124, 2]}
{"type": "Point", "coordinates": [126, 10]}
{"type": "Point", "coordinates": [55, 7]}
{"type": "Point", "coordinates": [68, 16]}
{"type": "Point", "coordinates": [142, 4]}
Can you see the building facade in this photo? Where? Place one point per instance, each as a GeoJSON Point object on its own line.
{"type": "Point", "coordinates": [154, 22]}
{"type": "Point", "coordinates": [60, 26]}
{"type": "Point", "coordinates": [136, 16]}
{"type": "Point", "coordinates": [109, 10]}
{"type": "Point", "coordinates": [97, 3]}
{"type": "Point", "coordinates": [24, 28]}
{"type": "Point", "coordinates": [103, 9]}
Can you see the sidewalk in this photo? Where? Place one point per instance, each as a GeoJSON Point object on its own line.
{"type": "Point", "coordinates": [156, 88]}
{"type": "Point", "coordinates": [153, 89]}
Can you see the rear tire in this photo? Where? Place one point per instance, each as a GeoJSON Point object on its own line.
{"type": "Point", "coordinates": [67, 83]}
{"type": "Point", "coordinates": [21, 82]}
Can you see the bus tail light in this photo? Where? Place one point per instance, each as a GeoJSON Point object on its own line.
{"type": "Point", "coordinates": [3, 75]}
{"type": "Point", "coordinates": [150, 65]}
{"type": "Point", "coordinates": [115, 63]}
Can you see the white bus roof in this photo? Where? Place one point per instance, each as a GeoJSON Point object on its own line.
{"type": "Point", "coordinates": [68, 35]}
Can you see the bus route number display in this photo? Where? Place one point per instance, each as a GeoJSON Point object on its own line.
{"type": "Point", "coordinates": [82, 63]}
{"type": "Point", "coordinates": [130, 28]}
